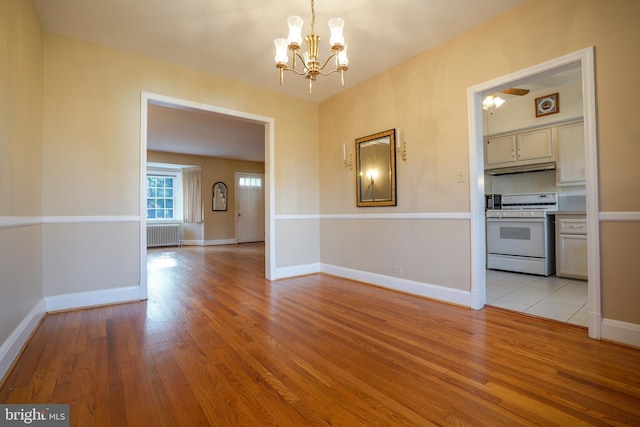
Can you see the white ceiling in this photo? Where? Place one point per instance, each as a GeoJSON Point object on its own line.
{"type": "Point", "coordinates": [203, 133]}
{"type": "Point", "coordinates": [234, 39]}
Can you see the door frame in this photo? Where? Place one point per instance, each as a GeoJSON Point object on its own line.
{"type": "Point", "coordinates": [583, 58]}
{"type": "Point", "coordinates": [269, 175]}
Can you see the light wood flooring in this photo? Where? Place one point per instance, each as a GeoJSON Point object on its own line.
{"type": "Point", "coordinates": [217, 344]}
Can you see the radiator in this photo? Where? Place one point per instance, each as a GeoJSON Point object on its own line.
{"type": "Point", "coordinates": [163, 235]}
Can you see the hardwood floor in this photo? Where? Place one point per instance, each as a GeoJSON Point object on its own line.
{"type": "Point", "coordinates": [217, 344]}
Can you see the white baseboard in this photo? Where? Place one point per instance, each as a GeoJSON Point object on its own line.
{"type": "Point", "coordinates": [297, 270]}
{"type": "Point", "coordinates": [10, 349]}
{"type": "Point", "coordinates": [209, 242]}
{"type": "Point", "coordinates": [453, 296]}
{"type": "Point", "coordinates": [622, 332]}
{"type": "Point", "coordinates": [220, 242]}
{"type": "Point", "coordinates": [92, 298]}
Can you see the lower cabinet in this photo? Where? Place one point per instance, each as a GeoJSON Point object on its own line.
{"type": "Point", "coordinates": [571, 246]}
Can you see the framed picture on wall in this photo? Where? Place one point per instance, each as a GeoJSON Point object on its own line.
{"type": "Point", "coordinates": [548, 104]}
{"type": "Point", "coordinates": [219, 197]}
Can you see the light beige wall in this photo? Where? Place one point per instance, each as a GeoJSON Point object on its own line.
{"type": "Point", "coordinates": [20, 109]}
{"type": "Point", "coordinates": [91, 151]}
{"type": "Point", "coordinates": [218, 225]}
{"type": "Point", "coordinates": [426, 97]}
{"type": "Point", "coordinates": [21, 83]}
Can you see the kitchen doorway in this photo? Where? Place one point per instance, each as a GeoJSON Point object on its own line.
{"type": "Point", "coordinates": [584, 59]}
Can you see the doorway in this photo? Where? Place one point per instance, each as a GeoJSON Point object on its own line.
{"type": "Point", "coordinates": [585, 60]}
{"type": "Point", "coordinates": [269, 154]}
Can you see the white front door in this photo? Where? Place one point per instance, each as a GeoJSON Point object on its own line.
{"type": "Point", "coordinates": [250, 207]}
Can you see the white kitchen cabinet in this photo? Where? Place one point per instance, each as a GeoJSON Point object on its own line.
{"type": "Point", "coordinates": [522, 148]}
{"type": "Point", "coordinates": [571, 157]}
{"type": "Point", "coordinates": [534, 146]}
{"type": "Point", "coordinates": [571, 246]}
{"type": "Point", "coordinates": [500, 150]}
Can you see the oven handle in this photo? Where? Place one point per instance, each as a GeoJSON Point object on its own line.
{"type": "Point", "coordinates": [515, 219]}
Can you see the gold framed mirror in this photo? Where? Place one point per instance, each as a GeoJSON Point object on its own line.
{"type": "Point", "coordinates": [376, 169]}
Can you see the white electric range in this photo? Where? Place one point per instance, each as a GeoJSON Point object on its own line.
{"type": "Point", "coordinates": [520, 235]}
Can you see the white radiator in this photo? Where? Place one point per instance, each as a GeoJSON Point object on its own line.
{"type": "Point", "coordinates": [163, 235]}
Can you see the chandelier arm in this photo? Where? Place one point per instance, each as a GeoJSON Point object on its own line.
{"type": "Point", "coordinates": [327, 61]}
{"type": "Point", "coordinates": [329, 73]}
{"type": "Point", "coordinates": [300, 73]}
{"type": "Point", "coordinates": [301, 59]}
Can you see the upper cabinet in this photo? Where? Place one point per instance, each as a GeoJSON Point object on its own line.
{"type": "Point", "coordinates": [522, 148]}
{"type": "Point", "coordinates": [499, 151]}
{"type": "Point", "coordinates": [571, 156]}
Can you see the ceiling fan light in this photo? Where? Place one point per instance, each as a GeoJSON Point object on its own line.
{"type": "Point", "coordinates": [487, 102]}
{"type": "Point", "coordinates": [295, 30]}
{"type": "Point", "coordinates": [497, 101]}
{"type": "Point", "coordinates": [336, 25]}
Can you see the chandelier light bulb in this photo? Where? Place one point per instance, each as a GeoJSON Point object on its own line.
{"type": "Point", "coordinates": [336, 25]}
{"type": "Point", "coordinates": [281, 51]}
{"type": "Point", "coordinates": [295, 30]}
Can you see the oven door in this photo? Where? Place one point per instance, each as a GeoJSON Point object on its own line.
{"type": "Point", "coordinates": [516, 236]}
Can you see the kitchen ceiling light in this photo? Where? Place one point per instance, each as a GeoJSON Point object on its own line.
{"type": "Point", "coordinates": [492, 101]}
{"type": "Point", "coordinates": [311, 67]}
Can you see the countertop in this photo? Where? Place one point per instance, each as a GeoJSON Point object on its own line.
{"type": "Point", "coordinates": [567, 212]}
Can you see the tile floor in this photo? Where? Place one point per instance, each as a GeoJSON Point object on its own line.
{"type": "Point", "coordinates": [550, 297]}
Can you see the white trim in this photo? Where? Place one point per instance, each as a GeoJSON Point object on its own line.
{"type": "Point", "coordinates": [297, 270]}
{"type": "Point", "coordinates": [297, 217]}
{"type": "Point", "coordinates": [209, 242]}
{"type": "Point", "coordinates": [19, 221]}
{"type": "Point", "coordinates": [622, 332]}
{"type": "Point", "coordinates": [585, 58]}
{"type": "Point", "coordinates": [220, 242]}
{"type": "Point", "coordinates": [441, 293]}
{"type": "Point", "coordinates": [12, 346]}
{"type": "Point", "coordinates": [23, 221]}
{"type": "Point", "coordinates": [192, 242]}
{"type": "Point", "coordinates": [426, 215]}
{"type": "Point", "coordinates": [270, 200]}
{"type": "Point", "coordinates": [144, 105]}
{"type": "Point", "coordinates": [269, 125]}
{"type": "Point", "coordinates": [89, 219]}
{"type": "Point", "coordinates": [620, 216]}
{"type": "Point", "coordinates": [92, 298]}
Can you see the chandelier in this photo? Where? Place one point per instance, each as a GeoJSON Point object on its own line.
{"type": "Point", "coordinates": [311, 66]}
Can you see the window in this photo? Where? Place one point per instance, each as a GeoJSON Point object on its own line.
{"type": "Point", "coordinates": [250, 182]}
{"type": "Point", "coordinates": [161, 200]}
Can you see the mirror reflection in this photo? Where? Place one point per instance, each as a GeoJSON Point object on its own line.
{"type": "Point", "coordinates": [376, 177]}
{"type": "Point", "coordinates": [219, 196]}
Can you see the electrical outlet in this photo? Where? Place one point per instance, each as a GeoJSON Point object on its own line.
{"type": "Point", "coordinates": [460, 176]}
{"type": "Point", "coordinates": [396, 269]}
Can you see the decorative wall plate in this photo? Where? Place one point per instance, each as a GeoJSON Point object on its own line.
{"type": "Point", "coordinates": [548, 104]}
